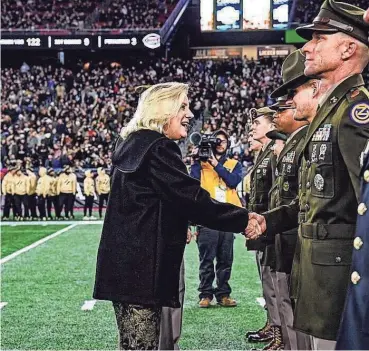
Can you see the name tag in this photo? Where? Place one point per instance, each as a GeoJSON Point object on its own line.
{"type": "Point", "coordinates": [220, 194]}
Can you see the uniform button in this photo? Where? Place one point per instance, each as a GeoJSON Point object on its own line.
{"type": "Point", "coordinates": [338, 259]}
{"type": "Point", "coordinates": [308, 164]}
{"type": "Point", "coordinates": [308, 185]}
{"type": "Point", "coordinates": [307, 207]}
{"type": "Point", "coordinates": [355, 277]}
{"type": "Point", "coordinates": [358, 243]}
{"type": "Point", "coordinates": [366, 176]}
{"type": "Point", "coordinates": [361, 209]}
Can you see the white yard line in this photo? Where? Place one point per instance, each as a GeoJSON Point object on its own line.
{"type": "Point", "coordinates": [37, 243]}
{"type": "Point", "coordinates": [46, 223]}
{"type": "Point", "coordinates": [88, 305]}
{"type": "Point", "coordinates": [2, 305]}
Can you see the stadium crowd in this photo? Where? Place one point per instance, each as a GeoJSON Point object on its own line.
{"type": "Point", "coordinates": [63, 14]}
{"type": "Point", "coordinates": [306, 10]}
{"type": "Point", "coordinates": [140, 14]}
{"type": "Point", "coordinates": [53, 116]}
{"type": "Point", "coordinates": [44, 14]}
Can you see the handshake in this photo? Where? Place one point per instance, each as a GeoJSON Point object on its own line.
{"type": "Point", "coordinates": [256, 226]}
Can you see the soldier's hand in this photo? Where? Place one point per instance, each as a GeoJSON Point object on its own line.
{"type": "Point", "coordinates": [256, 226]}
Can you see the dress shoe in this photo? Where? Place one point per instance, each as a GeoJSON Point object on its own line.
{"type": "Point", "coordinates": [205, 302]}
{"type": "Point", "coordinates": [227, 301]}
{"type": "Point", "coordinates": [263, 329]}
{"type": "Point", "coordinates": [277, 342]}
{"type": "Point", "coordinates": [261, 337]}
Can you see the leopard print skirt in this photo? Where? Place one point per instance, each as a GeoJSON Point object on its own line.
{"type": "Point", "coordinates": [138, 326]}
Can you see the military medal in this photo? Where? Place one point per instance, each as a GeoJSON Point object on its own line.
{"type": "Point", "coordinates": [314, 159]}
{"type": "Point", "coordinates": [286, 186]}
{"type": "Point", "coordinates": [319, 182]}
{"type": "Point", "coordinates": [322, 151]}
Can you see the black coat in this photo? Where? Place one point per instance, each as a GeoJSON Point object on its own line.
{"type": "Point", "coordinates": [144, 235]}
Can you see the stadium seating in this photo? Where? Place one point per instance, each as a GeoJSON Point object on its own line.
{"type": "Point", "coordinates": [82, 14]}
{"type": "Point", "coordinates": [55, 116]}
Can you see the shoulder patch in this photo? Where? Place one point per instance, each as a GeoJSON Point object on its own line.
{"type": "Point", "coordinates": [359, 113]}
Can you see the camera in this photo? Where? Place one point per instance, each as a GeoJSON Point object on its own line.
{"type": "Point", "coordinates": [205, 143]}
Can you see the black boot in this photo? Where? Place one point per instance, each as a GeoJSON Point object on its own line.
{"type": "Point", "coordinates": [277, 342]}
{"type": "Point", "coordinates": [264, 334]}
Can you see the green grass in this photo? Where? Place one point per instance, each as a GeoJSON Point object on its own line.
{"type": "Point", "coordinates": [46, 287]}
{"type": "Point", "coordinates": [14, 238]}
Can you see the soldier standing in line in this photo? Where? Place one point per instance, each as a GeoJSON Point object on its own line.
{"type": "Point", "coordinates": [353, 333]}
{"type": "Point", "coordinates": [102, 188]}
{"type": "Point", "coordinates": [337, 53]}
{"type": "Point", "coordinates": [66, 189]}
{"type": "Point", "coordinates": [21, 188]}
{"type": "Point", "coordinates": [32, 192]}
{"type": "Point", "coordinates": [89, 192]}
{"type": "Point", "coordinates": [285, 189]}
{"type": "Point", "coordinates": [42, 191]}
{"type": "Point", "coordinates": [52, 198]}
{"type": "Point", "coordinates": [7, 189]}
{"type": "Point", "coordinates": [262, 177]}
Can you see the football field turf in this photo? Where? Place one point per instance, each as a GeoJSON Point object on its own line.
{"type": "Point", "coordinates": [46, 287]}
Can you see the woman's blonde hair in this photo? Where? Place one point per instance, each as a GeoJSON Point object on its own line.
{"type": "Point", "coordinates": [156, 106]}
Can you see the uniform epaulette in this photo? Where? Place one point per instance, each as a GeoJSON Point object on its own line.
{"type": "Point", "coordinates": [357, 93]}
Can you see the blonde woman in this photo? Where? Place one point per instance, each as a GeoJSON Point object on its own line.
{"type": "Point", "coordinates": [152, 199]}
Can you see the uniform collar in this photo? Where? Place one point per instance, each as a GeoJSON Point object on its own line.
{"type": "Point", "coordinates": [294, 133]}
{"type": "Point", "coordinates": [331, 101]}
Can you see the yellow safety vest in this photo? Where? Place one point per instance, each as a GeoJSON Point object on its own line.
{"type": "Point", "coordinates": [211, 182]}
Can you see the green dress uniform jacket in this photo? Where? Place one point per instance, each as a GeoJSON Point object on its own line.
{"type": "Point", "coordinates": [284, 190]}
{"type": "Point", "coordinates": [326, 208]}
{"type": "Point", "coordinates": [262, 178]}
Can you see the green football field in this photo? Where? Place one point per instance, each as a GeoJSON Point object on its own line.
{"type": "Point", "coordinates": [45, 288]}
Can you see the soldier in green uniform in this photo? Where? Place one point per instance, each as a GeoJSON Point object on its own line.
{"type": "Point", "coordinates": [262, 177]}
{"type": "Point", "coordinates": [337, 53]}
{"type": "Point", "coordinates": [285, 189]}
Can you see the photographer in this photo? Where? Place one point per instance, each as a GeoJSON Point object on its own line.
{"type": "Point", "coordinates": [219, 175]}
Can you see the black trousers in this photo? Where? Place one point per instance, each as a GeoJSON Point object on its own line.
{"type": "Point", "coordinates": [21, 200]}
{"type": "Point", "coordinates": [89, 201]}
{"type": "Point", "coordinates": [53, 201]}
{"type": "Point", "coordinates": [71, 205]}
{"type": "Point", "coordinates": [9, 203]}
{"type": "Point", "coordinates": [138, 326]}
{"type": "Point", "coordinates": [214, 244]}
{"type": "Point", "coordinates": [102, 199]}
{"type": "Point", "coordinates": [67, 201]}
{"type": "Point", "coordinates": [41, 202]}
{"type": "Point", "coordinates": [32, 203]}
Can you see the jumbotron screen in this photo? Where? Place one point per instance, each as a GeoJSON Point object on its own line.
{"type": "Point", "coordinates": [223, 15]}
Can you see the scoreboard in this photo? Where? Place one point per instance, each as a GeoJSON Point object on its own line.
{"type": "Point", "coordinates": [243, 15]}
{"type": "Point", "coordinates": [104, 41]}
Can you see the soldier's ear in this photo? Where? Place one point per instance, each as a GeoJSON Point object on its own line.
{"type": "Point", "coordinates": [315, 85]}
{"type": "Point", "coordinates": [349, 48]}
